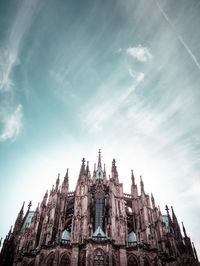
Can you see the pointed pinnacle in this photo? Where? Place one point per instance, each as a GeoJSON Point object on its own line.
{"type": "Point", "coordinates": [99, 159]}
{"type": "Point", "coordinates": [132, 177]}
{"type": "Point", "coordinates": [167, 209]}
{"type": "Point", "coordinates": [184, 231]}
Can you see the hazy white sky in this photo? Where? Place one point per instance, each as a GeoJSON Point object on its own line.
{"type": "Point", "coordinates": [123, 76]}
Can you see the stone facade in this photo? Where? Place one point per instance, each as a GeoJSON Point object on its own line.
{"type": "Point", "coordinates": [97, 224]}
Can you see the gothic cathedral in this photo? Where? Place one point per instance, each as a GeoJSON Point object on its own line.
{"type": "Point", "coordinates": [97, 224]}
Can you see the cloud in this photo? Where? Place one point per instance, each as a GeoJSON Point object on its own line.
{"type": "Point", "coordinates": [9, 58]}
{"type": "Point", "coordinates": [94, 116]}
{"type": "Point", "coordinates": [12, 123]}
{"type": "Point", "coordinates": [192, 193]}
{"type": "Point", "coordinates": [141, 53]}
{"type": "Point", "coordinates": [179, 36]}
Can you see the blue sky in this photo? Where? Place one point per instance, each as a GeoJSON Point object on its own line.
{"type": "Point", "coordinates": [123, 76]}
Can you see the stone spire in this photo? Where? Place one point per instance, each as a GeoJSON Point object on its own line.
{"type": "Point", "coordinates": [57, 182]}
{"type": "Point", "coordinates": [65, 183]}
{"type": "Point", "coordinates": [29, 205]}
{"type": "Point", "coordinates": [141, 185]}
{"type": "Point", "coordinates": [132, 178]}
{"type": "Point", "coordinates": [87, 167]}
{"type": "Point", "coordinates": [82, 171]}
{"type": "Point", "coordinates": [19, 220]}
{"type": "Point", "coordinates": [134, 190]}
{"type": "Point", "coordinates": [99, 159]}
{"type": "Point", "coordinates": [176, 226]}
{"type": "Point", "coordinates": [66, 178]}
{"type": "Point", "coordinates": [171, 230]}
{"type": "Point", "coordinates": [153, 201]}
{"type": "Point", "coordinates": [9, 233]}
{"type": "Point", "coordinates": [195, 252]}
{"type": "Point", "coordinates": [114, 173]}
{"type": "Point", "coordinates": [184, 231]}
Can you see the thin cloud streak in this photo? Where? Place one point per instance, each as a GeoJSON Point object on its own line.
{"type": "Point", "coordinates": [178, 36]}
{"type": "Point", "coordinates": [10, 57]}
{"type": "Point", "coordinates": [97, 115]}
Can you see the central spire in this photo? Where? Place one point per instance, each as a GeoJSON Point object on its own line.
{"type": "Point", "coordinates": [99, 158]}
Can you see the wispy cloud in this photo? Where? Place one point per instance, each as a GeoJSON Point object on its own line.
{"type": "Point", "coordinates": [10, 57]}
{"type": "Point", "coordinates": [95, 116]}
{"type": "Point", "coordinates": [11, 116]}
{"type": "Point", "coordinates": [140, 53]}
{"type": "Point", "coordinates": [11, 123]}
{"type": "Point", "coordinates": [178, 36]}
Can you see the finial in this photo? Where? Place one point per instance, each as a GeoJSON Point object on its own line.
{"type": "Point", "coordinates": [29, 205]}
{"type": "Point", "coordinates": [141, 184]}
{"type": "Point", "coordinates": [87, 167]}
{"type": "Point", "coordinates": [104, 168]}
{"type": "Point", "coordinates": [37, 209]}
{"type": "Point", "coordinates": [66, 176]}
{"type": "Point", "coordinates": [22, 209]}
{"type": "Point", "coordinates": [184, 231]}
{"type": "Point", "coordinates": [9, 233]}
{"type": "Point", "coordinates": [132, 177]}
{"type": "Point", "coordinates": [152, 197]}
{"type": "Point", "coordinates": [113, 165]}
{"type": "Point", "coordinates": [167, 209]}
{"type": "Point", "coordinates": [83, 161]}
{"type": "Point", "coordinates": [173, 214]}
{"type": "Point", "coordinates": [95, 167]}
{"type": "Point", "coordinates": [99, 159]}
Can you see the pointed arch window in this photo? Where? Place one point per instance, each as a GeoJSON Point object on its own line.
{"type": "Point", "coordinates": [50, 260]}
{"type": "Point", "coordinates": [132, 261]}
{"type": "Point", "coordinates": [65, 261]}
{"type": "Point", "coordinates": [146, 262]}
{"type": "Point", "coordinates": [99, 258]}
{"type": "Point", "coordinates": [99, 212]}
{"type": "Point", "coordinates": [66, 234]}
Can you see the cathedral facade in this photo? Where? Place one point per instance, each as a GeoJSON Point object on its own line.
{"type": "Point", "coordinates": [97, 224]}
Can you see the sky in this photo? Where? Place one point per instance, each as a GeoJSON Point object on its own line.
{"type": "Point", "coordinates": [122, 76]}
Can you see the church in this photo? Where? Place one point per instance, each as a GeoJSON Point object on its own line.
{"type": "Point", "coordinates": [96, 225]}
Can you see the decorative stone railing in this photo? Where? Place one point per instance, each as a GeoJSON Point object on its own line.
{"type": "Point", "coordinates": [99, 238]}
{"type": "Point", "coordinates": [132, 244]}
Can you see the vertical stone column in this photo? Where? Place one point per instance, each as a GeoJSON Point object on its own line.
{"type": "Point", "coordinates": [75, 254]}
{"type": "Point", "coordinates": [123, 256]}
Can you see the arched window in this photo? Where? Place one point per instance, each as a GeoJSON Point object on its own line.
{"type": "Point", "coordinates": [132, 261]}
{"type": "Point", "coordinates": [99, 212]}
{"type": "Point", "coordinates": [146, 262]}
{"type": "Point", "coordinates": [132, 240]}
{"type": "Point", "coordinates": [66, 235]}
{"type": "Point", "coordinates": [65, 261]}
{"type": "Point", "coordinates": [99, 258]}
{"type": "Point", "coordinates": [50, 260]}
